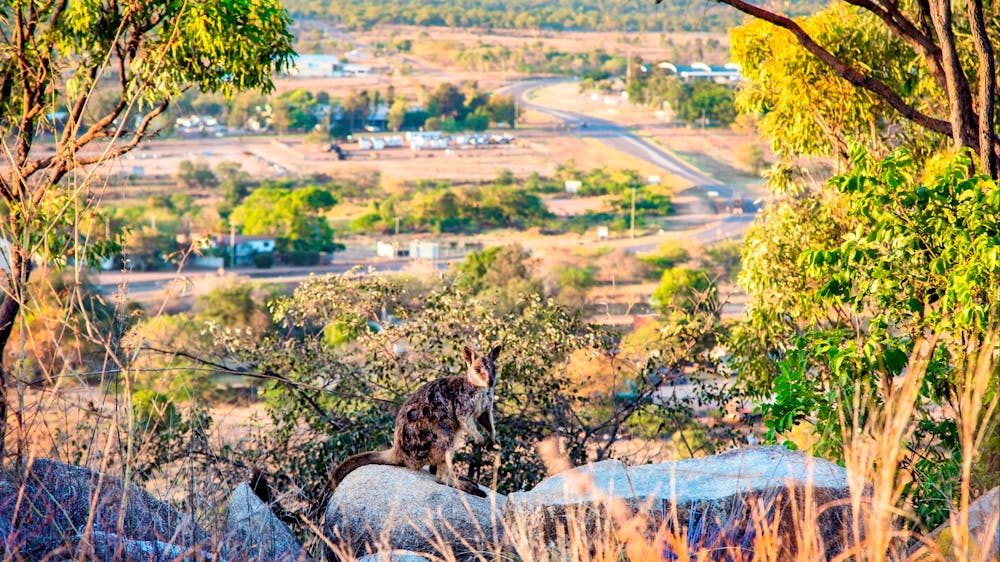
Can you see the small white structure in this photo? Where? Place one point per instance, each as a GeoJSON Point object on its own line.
{"type": "Point", "coordinates": [199, 125]}
{"type": "Point", "coordinates": [326, 66]}
{"type": "Point", "coordinates": [653, 180]}
{"type": "Point", "coordinates": [572, 186]}
{"type": "Point", "coordinates": [602, 233]}
{"type": "Point", "coordinates": [424, 250]}
{"type": "Point", "coordinates": [385, 250]}
{"type": "Point", "coordinates": [244, 247]}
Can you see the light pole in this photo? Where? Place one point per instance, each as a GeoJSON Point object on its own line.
{"type": "Point", "coordinates": [232, 246]}
{"type": "Point", "coordinates": [632, 218]}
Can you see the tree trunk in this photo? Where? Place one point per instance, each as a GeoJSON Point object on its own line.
{"type": "Point", "coordinates": [987, 78]}
{"type": "Point", "coordinates": [962, 116]}
{"type": "Point", "coordinates": [10, 306]}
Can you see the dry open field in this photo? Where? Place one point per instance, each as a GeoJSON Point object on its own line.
{"type": "Point", "coordinates": [534, 150]}
{"type": "Point", "coordinates": [647, 45]}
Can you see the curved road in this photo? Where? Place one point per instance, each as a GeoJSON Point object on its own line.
{"type": "Point", "coordinates": [621, 139]}
{"type": "Point", "coordinates": [615, 136]}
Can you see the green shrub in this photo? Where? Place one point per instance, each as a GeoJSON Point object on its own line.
{"type": "Point", "coordinates": [153, 412]}
{"type": "Point", "coordinates": [668, 255]}
{"type": "Point", "coordinates": [263, 260]}
{"type": "Point", "coordinates": [684, 290]}
{"type": "Point", "coordinates": [578, 278]}
{"type": "Point", "coordinates": [301, 257]}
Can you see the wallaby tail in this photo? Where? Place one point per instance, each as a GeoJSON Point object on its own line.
{"type": "Point", "coordinates": [349, 465]}
{"type": "Point", "coordinates": [355, 462]}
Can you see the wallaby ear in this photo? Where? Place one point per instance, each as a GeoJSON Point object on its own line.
{"type": "Point", "coordinates": [495, 352]}
{"type": "Point", "coordinates": [469, 354]}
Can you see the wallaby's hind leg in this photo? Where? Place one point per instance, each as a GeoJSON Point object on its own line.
{"type": "Point", "coordinates": [446, 475]}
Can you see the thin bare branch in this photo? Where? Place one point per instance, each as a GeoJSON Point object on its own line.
{"type": "Point", "coordinates": [844, 70]}
{"type": "Point", "coordinates": [908, 31]}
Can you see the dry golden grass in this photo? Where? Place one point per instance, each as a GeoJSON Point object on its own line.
{"type": "Point", "coordinates": [610, 529]}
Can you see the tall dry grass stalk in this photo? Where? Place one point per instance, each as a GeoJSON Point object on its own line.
{"type": "Point", "coordinates": [609, 528]}
{"type": "Point", "coordinates": [974, 414]}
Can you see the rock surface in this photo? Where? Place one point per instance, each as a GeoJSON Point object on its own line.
{"type": "Point", "coordinates": [394, 556]}
{"type": "Point", "coordinates": [712, 495]}
{"type": "Point", "coordinates": [254, 533]}
{"type": "Point", "coordinates": [984, 520]}
{"type": "Point", "coordinates": [109, 546]}
{"type": "Point", "coordinates": [385, 507]}
{"type": "Point", "coordinates": [50, 510]}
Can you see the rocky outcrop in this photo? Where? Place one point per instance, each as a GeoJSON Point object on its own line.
{"type": "Point", "coordinates": [714, 497]}
{"type": "Point", "coordinates": [394, 556]}
{"type": "Point", "coordinates": [109, 546]}
{"type": "Point", "coordinates": [56, 505]}
{"type": "Point", "coordinates": [380, 508]}
{"type": "Point", "coordinates": [254, 533]}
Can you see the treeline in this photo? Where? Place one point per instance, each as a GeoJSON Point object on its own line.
{"type": "Point", "coordinates": [533, 58]}
{"type": "Point", "coordinates": [163, 227]}
{"type": "Point", "coordinates": [443, 208]}
{"type": "Point", "coordinates": [511, 202]}
{"type": "Point", "coordinates": [448, 107]}
{"type": "Point", "coordinates": [613, 15]}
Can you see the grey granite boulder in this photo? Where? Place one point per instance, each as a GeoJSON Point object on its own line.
{"type": "Point", "coordinates": [111, 547]}
{"type": "Point", "coordinates": [984, 520]}
{"type": "Point", "coordinates": [713, 496]}
{"type": "Point", "coordinates": [254, 533]}
{"type": "Point", "coordinates": [984, 530]}
{"type": "Point", "coordinates": [56, 504]}
{"type": "Point", "coordinates": [394, 556]}
{"type": "Point", "coordinates": [379, 508]}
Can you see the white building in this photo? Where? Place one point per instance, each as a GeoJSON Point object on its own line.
{"type": "Point", "coordinates": [729, 72]}
{"type": "Point", "coordinates": [245, 247]}
{"type": "Point", "coordinates": [326, 66]}
{"type": "Point", "coordinates": [425, 250]}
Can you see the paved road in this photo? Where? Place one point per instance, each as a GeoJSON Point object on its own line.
{"type": "Point", "coordinates": [152, 281]}
{"type": "Point", "coordinates": [617, 137]}
{"type": "Point", "coordinates": [717, 227]}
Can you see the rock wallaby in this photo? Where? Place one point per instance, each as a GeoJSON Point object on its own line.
{"type": "Point", "coordinates": [434, 422]}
